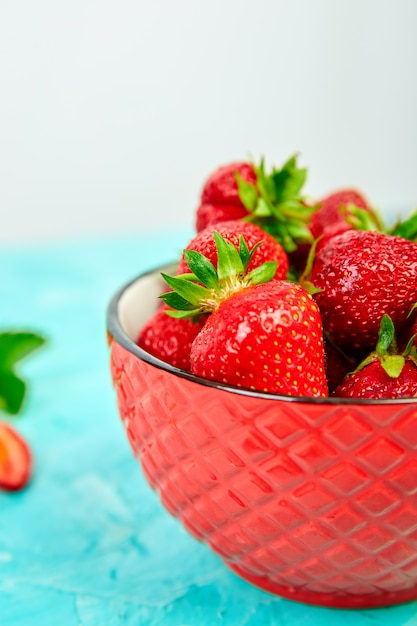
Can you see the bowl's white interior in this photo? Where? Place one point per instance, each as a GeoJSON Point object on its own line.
{"type": "Point", "coordinates": [138, 302]}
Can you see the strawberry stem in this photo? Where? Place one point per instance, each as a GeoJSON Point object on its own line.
{"type": "Point", "coordinates": [386, 350]}
{"type": "Point", "coordinates": [304, 279]}
{"type": "Point", "coordinates": [275, 203]}
{"type": "Point", "coordinates": [363, 219]}
{"type": "Point", "coordinates": [407, 228]}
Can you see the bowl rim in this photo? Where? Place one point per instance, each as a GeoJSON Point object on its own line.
{"type": "Point", "coordinates": [116, 331]}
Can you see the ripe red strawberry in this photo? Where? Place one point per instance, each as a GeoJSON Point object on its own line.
{"type": "Point", "coordinates": [221, 187]}
{"type": "Point", "coordinates": [169, 339]}
{"type": "Point", "coordinates": [267, 338]}
{"type": "Point", "coordinates": [231, 231]}
{"type": "Point", "coordinates": [261, 333]}
{"type": "Point", "coordinates": [15, 459]}
{"type": "Point", "coordinates": [385, 373]}
{"type": "Point", "coordinates": [220, 198]}
{"type": "Point", "coordinates": [362, 276]}
{"type": "Point", "coordinates": [273, 201]}
{"type": "Point", "coordinates": [330, 217]}
{"type": "Point", "coordinates": [213, 214]}
{"type": "Point", "coordinates": [374, 382]}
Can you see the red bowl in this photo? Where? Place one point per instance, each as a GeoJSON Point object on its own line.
{"type": "Point", "coordinates": [310, 499]}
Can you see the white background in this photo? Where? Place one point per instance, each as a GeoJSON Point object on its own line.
{"type": "Point", "coordinates": [112, 113]}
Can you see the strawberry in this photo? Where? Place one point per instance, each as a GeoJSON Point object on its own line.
{"type": "Point", "coordinates": [213, 214]}
{"type": "Point", "coordinates": [272, 201]}
{"type": "Point", "coordinates": [169, 339]}
{"type": "Point", "coordinates": [15, 459]}
{"type": "Point", "coordinates": [222, 188]}
{"type": "Point", "coordinates": [267, 248]}
{"type": "Point", "coordinates": [261, 333]}
{"type": "Point", "coordinates": [385, 373]}
{"type": "Point", "coordinates": [330, 217]}
{"type": "Point", "coordinates": [362, 275]}
{"type": "Point", "coordinates": [266, 338]}
{"type": "Point", "coordinates": [220, 200]}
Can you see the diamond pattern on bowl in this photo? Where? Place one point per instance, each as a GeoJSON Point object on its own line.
{"type": "Point", "coordinates": [381, 454]}
{"type": "Point", "coordinates": [405, 477]}
{"type": "Point", "coordinates": [281, 470]}
{"type": "Point", "coordinates": [372, 539]}
{"type": "Point", "coordinates": [253, 488]}
{"type": "Point", "coordinates": [405, 427]}
{"type": "Point", "coordinates": [377, 501]}
{"type": "Point", "coordinates": [311, 501]}
{"type": "Point", "coordinates": [348, 428]}
{"type": "Point", "coordinates": [345, 478]}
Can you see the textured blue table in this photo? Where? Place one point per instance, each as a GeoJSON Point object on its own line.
{"type": "Point", "coordinates": [87, 543]}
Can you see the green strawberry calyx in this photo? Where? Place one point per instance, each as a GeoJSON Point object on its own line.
{"type": "Point", "coordinates": [386, 350]}
{"type": "Point", "coordinates": [407, 228]}
{"type": "Point", "coordinates": [363, 219]}
{"type": "Point", "coordinates": [203, 289]}
{"type": "Point", "coordinates": [305, 278]}
{"type": "Point", "coordinates": [276, 204]}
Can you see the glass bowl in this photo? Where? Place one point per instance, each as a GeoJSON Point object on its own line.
{"type": "Point", "coordinates": [310, 499]}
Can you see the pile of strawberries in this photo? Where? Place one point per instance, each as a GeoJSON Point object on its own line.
{"type": "Point", "coordinates": [280, 293]}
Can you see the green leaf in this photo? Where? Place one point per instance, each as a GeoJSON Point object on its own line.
{"type": "Point", "coordinates": [410, 347]}
{"type": "Point", "coordinates": [362, 219]}
{"type": "Point", "coordinates": [299, 232]}
{"type": "Point", "coordinates": [189, 298]}
{"type": "Point", "coordinates": [289, 180]}
{"type": "Point", "coordinates": [246, 254]}
{"type": "Point", "coordinates": [265, 208]}
{"type": "Point", "coordinates": [12, 392]}
{"type": "Point", "coordinates": [202, 268]}
{"type": "Point", "coordinates": [175, 301]}
{"type": "Point", "coordinates": [247, 193]}
{"type": "Point", "coordinates": [191, 314]}
{"type": "Point", "coordinates": [265, 183]}
{"type": "Point", "coordinates": [188, 276]}
{"type": "Point", "coordinates": [294, 208]}
{"type": "Point", "coordinates": [392, 364]}
{"type": "Point", "coordinates": [408, 228]}
{"type": "Point", "coordinates": [229, 263]}
{"type": "Point", "coordinates": [191, 292]}
{"type": "Point", "coordinates": [15, 346]}
{"type": "Point", "coordinates": [413, 308]}
{"type": "Point", "coordinates": [262, 274]}
{"type": "Point", "coordinates": [386, 337]}
{"type": "Point", "coordinates": [280, 209]}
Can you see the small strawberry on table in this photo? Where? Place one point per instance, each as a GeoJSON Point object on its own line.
{"type": "Point", "coordinates": [15, 455]}
{"type": "Point", "coordinates": [15, 459]}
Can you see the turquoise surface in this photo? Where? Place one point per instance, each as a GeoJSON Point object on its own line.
{"type": "Point", "coordinates": [88, 543]}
